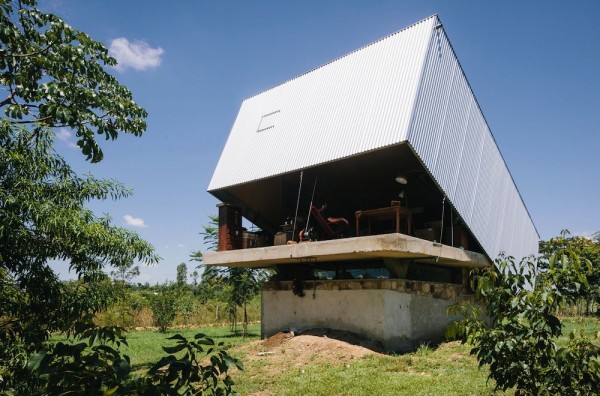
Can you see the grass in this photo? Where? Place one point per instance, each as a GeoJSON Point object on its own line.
{"type": "Point", "coordinates": [447, 370]}
{"type": "Point", "coordinates": [145, 346]}
{"type": "Point", "coordinates": [444, 370]}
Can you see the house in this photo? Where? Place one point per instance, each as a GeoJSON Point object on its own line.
{"type": "Point", "coordinates": [391, 138]}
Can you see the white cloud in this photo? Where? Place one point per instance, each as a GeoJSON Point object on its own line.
{"type": "Point", "coordinates": [134, 221]}
{"type": "Point", "coordinates": [180, 245]}
{"type": "Point", "coordinates": [135, 54]}
{"type": "Point", "coordinates": [65, 136]}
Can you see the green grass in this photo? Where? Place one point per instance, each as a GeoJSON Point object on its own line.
{"type": "Point", "coordinates": [447, 370]}
{"type": "Point", "coordinates": [145, 346]}
{"type": "Point", "coordinates": [444, 370]}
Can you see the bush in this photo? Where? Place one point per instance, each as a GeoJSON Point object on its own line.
{"type": "Point", "coordinates": [163, 309]}
{"type": "Point", "coordinates": [91, 363]}
{"type": "Point", "coordinates": [518, 338]}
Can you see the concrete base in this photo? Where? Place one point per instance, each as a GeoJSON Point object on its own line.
{"type": "Point", "coordinates": [399, 314]}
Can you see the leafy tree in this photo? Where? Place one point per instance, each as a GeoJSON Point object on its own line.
{"type": "Point", "coordinates": [124, 274]}
{"type": "Point", "coordinates": [233, 285]}
{"type": "Point", "coordinates": [517, 335]}
{"type": "Point", "coordinates": [588, 251]}
{"type": "Point", "coordinates": [55, 77]}
{"type": "Point", "coordinates": [181, 275]}
{"type": "Point", "coordinates": [163, 309]}
{"type": "Point", "coordinates": [185, 304]}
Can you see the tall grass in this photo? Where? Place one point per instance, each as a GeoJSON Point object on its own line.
{"type": "Point", "coordinates": [139, 316]}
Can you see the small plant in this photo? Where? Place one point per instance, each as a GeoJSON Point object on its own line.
{"type": "Point", "coordinates": [423, 350]}
{"type": "Point", "coordinates": [203, 369]}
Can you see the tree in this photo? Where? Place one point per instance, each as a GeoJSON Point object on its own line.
{"type": "Point", "coordinates": [234, 285]}
{"type": "Point", "coordinates": [181, 275]}
{"type": "Point", "coordinates": [588, 251]}
{"type": "Point", "coordinates": [54, 76]}
{"type": "Point", "coordinates": [517, 335]}
{"type": "Point", "coordinates": [124, 273]}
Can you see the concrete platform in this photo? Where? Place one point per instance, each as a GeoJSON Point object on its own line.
{"type": "Point", "coordinates": [395, 245]}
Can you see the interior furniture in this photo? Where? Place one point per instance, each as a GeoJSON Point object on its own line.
{"type": "Point", "coordinates": [329, 232]}
{"type": "Point", "coordinates": [394, 213]}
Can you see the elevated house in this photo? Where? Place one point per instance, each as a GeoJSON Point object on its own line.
{"type": "Point", "coordinates": [391, 138]}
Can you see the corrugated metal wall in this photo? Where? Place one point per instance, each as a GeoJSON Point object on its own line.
{"type": "Point", "coordinates": [450, 135]}
{"type": "Point", "coordinates": [360, 102]}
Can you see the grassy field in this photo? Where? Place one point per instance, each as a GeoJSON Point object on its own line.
{"type": "Point", "coordinates": [445, 370]}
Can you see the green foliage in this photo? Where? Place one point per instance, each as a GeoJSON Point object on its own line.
{"type": "Point", "coordinates": [201, 371]}
{"type": "Point", "coordinates": [90, 362]}
{"type": "Point", "coordinates": [587, 252]}
{"type": "Point", "coordinates": [186, 304]}
{"type": "Point", "coordinates": [124, 273]}
{"type": "Point", "coordinates": [181, 279]}
{"type": "Point", "coordinates": [43, 217]}
{"type": "Point", "coordinates": [234, 286]}
{"type": "Point", "coordinates": [517, 337]}
{"type": "Point", "coordinates": [163, 309]}
{"type": "Point", "coordinates": [55, 76]}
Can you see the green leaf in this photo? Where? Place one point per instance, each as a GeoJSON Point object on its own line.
{"type": "Point", "coordinates": [174, 349]}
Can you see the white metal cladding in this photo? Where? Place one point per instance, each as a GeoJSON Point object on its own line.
{"type": "Point", "coordinates": [449, 133]}
{"type": "Point", "coordinates": [360, 102]}
{"type": "Point", "coordinates": [408, 86]}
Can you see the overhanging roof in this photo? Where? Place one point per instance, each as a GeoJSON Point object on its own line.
{"type": "Point", "coordinates": [405, 88]}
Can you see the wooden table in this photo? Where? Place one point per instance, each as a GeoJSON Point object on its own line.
{"type": "Point", "coordinates": [389, 213]}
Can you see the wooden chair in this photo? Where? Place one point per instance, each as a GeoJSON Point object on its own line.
{"type": "Point", "coordinates": [329, 232]}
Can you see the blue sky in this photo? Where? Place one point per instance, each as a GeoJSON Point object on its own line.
{"type": "Point", "coordinates": [533, 66]}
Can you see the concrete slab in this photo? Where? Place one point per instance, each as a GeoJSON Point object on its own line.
{"type": "Point", "coordinates": [365, 247]}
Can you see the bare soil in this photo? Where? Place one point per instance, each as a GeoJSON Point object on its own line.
{"type": "Point", "coordinates": [285, 350]}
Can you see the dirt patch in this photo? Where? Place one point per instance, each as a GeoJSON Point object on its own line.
{"type": "Point", "coordinates": [286, 351]}
{"type": "Point", "coordinates": [277, 339]}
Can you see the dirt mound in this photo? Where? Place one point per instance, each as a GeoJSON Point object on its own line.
{"type": "Point", "coordinates": [277, 339]}
{"type": "Point", "coordinates": [285, 350]}
{"type": "Point", "coordinates": [345, 337]}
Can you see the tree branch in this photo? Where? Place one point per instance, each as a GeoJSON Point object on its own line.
{"type": "Point", "coordinates": [43, 50]}
{"type": "Point", "coordinates": [7, 100]}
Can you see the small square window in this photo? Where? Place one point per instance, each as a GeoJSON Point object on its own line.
{"type": "Point", "coordinates": [268, 121]}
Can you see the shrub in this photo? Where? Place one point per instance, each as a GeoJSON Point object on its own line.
{"type": "Point", "coordinates": [91, 363]}
{"type": "Point", "coordinates": [163, 310]}
{"type": "Point", "coordinates": [518, 338]}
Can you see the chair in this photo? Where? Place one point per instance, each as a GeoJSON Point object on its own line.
{"type": "Point", "coordinates": [329, 232]}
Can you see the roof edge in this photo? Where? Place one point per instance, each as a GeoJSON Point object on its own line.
{"type": "Point", "coordinates": [343, 56]}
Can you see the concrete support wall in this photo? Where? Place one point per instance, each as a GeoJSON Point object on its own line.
{"type": "Point", "coordinates": [400, 314]}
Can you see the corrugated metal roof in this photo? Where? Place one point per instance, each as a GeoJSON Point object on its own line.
{"type": "Point", "coordinates": [449, 133]}
{"type": "Point", "coordinates": [408, 86]}
{"type": "Point", "coordinates": [360, 102]}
